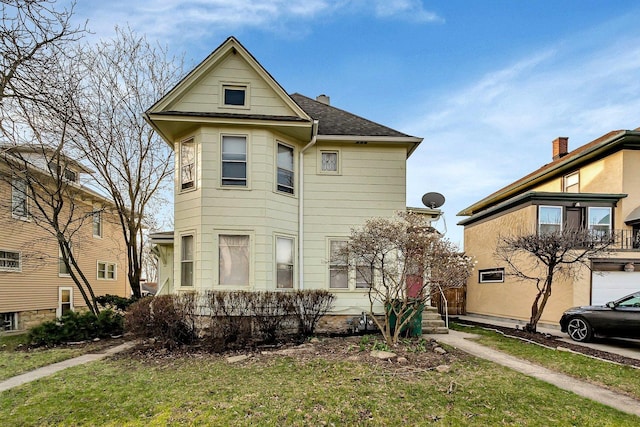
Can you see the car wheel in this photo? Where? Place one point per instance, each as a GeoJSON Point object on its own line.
{"type": "Point", "coordinates": [579, 329]}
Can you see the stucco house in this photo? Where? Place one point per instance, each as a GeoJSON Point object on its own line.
{"type": "Point", "coordinates": [34, 283]}
{"type": "Point", "coordinates": [268, 185]}
{"type": "Point", "coordinates": [596, 186]}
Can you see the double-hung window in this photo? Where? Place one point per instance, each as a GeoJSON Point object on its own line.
{"type": "Point", "coordinates": [186, 260]}
{"type": "Point", "coordinates": [549, 219]}
{"type": "Point", "coordinates": [285, 169]}
{"type": "Point", "coordinates": [338, 265]}
{"type": "Point", "coordinates": [284, 262]}
{"type": "Point", "coordinates": [233, 259]}
{"type": "Point", "coordinates": [364, 274]}
{"type": "Point", "coordinates": [62, 267]}
{"type": "Point", "coordinates": [19, 199]}
{"type": "Point", "coordinates": [571, 183]}
{"type": "Point", "coordinates": [234, 161]}
{"type": "Point", "coordinates": [9, 260]}
{"type": "Point", "coordinates": [187, 164]}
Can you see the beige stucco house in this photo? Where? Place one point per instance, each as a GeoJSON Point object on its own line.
{"type": "Point", "coordinates": [595, 186]}
{"type": "Point", "coordinates": [34, 283]}
{"type": "Point", "coordinates": [268, 185]}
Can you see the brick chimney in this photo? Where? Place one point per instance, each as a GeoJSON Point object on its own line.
{"type": "Point", "coordinates": [324, 99]}
{"type": "Point", "coordinates": [560, 147]}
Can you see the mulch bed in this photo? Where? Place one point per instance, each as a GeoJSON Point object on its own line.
{"type": "Point", "coordinates": [554, 342]}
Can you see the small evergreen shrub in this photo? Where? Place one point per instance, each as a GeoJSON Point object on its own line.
{"type": "Point", "coordinates": [75, 326]}
{"type": "Point", "coordinates": [115, 302]}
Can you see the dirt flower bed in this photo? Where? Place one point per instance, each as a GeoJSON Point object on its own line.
{"type": "Point", "coordinates": [554, 341]}
{"type": "Point", "coordinates": [411, 356]}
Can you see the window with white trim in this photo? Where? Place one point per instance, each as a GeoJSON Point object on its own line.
{"type": "Point", "coordinates": [106, 270]}
{"type": "Point", "coordinates": [235, 95]}
{"type": "Point", "coordinates": [234, 160]}
{"type": "Point", "coordinates": [19, 199]}
{"type": "Point", "coordinates": [285, 169]}
{"type": "Point", "coordinates": [338, 265]}
{"type": "Point", "coordinates": [491, 275]}
{"type": "Point", "coordinates": [96, 223]}
{"type": "Point", "coordinates": [65, 301]}
{"type": "Point", "coordinates": [600, 219]}
{"type": "Point", "coordinates": [187, 164]}
{"type": "Point", "coordinates": [9, 321]}
{"type": "Point", "coordinates": [62, 267]}
{"type": "Point", "coordinates": [186, 260]}
{"type": "Point", "coordinates": [329, 161]}
{"type": "Point", "coordinates": [284, 262]}
{"type": "Point", "coordinates": [10, 260]}
{"type": "Point", "coordinates": [571, 183]}
{"type": "Point", "coordinates": [233, 259]}
{"type": "Point", "coordinates": [549, 219]}
{"type": "Point", "coordinates": [364, 274]}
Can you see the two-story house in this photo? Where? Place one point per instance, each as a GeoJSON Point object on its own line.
{"type": "Point", "coordinates": [35, 284]}
{"type": "Point", "coordinates": [269, 185]}
{"type": "Point", "coordinates": [597, 187]}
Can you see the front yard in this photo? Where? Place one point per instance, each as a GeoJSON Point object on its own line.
{"type": "Point", "coordinates": [338, 384]}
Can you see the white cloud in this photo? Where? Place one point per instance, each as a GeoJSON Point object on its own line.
{"type": "Point", "coordinates": [498, 129]}
{"type": "Point", "coordinates": [412, 10]}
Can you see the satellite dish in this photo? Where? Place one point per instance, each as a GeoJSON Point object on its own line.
{"type": "Point", "coordinates": [433, 200]}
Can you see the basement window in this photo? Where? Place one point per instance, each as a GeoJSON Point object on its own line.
{"type": "Point", "coordinates": [493, 275]}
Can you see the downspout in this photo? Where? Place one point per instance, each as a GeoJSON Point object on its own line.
{"type": "Point", "coordinates": [314, 136]}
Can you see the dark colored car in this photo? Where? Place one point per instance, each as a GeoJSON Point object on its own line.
{"type": "Point", "coordinates": [619, 318]}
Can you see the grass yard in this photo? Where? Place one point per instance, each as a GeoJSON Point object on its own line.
{"type": "Point", "coordinates": [280, 390]}
{"type": "Point", "coordinates": [620, 378]}
{"type": "Point", "coordinates": [14, 361]}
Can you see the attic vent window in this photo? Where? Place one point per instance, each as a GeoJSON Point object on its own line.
{"type": "Point", "coordinates": [235, 95]}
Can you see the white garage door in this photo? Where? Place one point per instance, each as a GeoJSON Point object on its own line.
{"type": "Point", "coordinates": [611, 285]}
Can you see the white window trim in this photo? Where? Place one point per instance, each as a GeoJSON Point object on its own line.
{"type": "Point", "coordinates": [193, 261]}
{"type": "Point", "coordinates": [293, 171]}
{"type": "Point", "coordinates": [10, 269]}
{"type": "Point", "coordinates": [106, 270]}
{"type": "Point", "coordinates": [60, 290]}
{"type": "Point", "coordinates": [97, 212]}
{"type": "Point", "coordinates": [554, 207]}
{"type": "Point", "coordinates": [275, 261]}
{"type": "Point", "coordinates": [60, 260]}
{"type": "Point", "coordinates": [236, 85]}
{"type": "Point", "coordinates": [491, 270]}
{"type": "Point", "coordinates": [252, 256]}
{"type": "Point", "coordinates": [195, 165]}
{"type": "Point", "coordinates": [567, 177]}
{"type": "Point", "coordinates": [590, 225]}
{"type": "Point", "coordinates": [247, 185]}
{"type": "Point", "coordinates": [339, 160]}
{"type": "Point", "coordinates": [350, 267]}
{"type": "Point", "coordinates": [14, 321]}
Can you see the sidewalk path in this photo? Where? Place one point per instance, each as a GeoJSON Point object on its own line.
{"type": "Point", "coordinates": [45, 371]}
{"type": "Point", "coordinates": [607, 397]}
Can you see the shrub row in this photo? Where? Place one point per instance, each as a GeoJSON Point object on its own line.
{"type": "Point", "coordinates": [75, 326]}
{"type": "Point", "coordinates": [227, 319]}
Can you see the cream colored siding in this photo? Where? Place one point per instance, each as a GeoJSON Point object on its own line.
{"type": "Point", "coordinates": [205, 96]}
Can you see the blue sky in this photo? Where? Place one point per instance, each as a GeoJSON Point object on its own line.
{"type": "Point", "coordinates": [487, 84]}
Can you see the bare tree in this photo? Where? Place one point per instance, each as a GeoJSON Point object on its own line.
{"type": "Point", "coordinates": [401, 259]}
{"type": "Point", "coordinates": [542, 257]}
{"type": "Point", "coordinates": [123, 78]}
{"type": "Point", "coordinates": [33, 37]}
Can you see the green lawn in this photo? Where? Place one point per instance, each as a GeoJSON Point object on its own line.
{"type": "Point", "coordinates": [205, 390]}
{"type": "Point", "coordinates": [14, 361]}
{"type": "Point", "coordinates": [620, 378]}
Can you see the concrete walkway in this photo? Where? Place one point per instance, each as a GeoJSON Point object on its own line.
{"type": "Point", "coordinates": [464, 342]}
{"type": "Point", "coordinates": [45, 371]}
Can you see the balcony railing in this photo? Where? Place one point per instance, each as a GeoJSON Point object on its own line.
{"type": "Point", "coordinates": [625, 239]}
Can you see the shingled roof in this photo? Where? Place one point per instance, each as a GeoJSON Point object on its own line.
{"type": "Point", "coordinates": [334, 121]}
